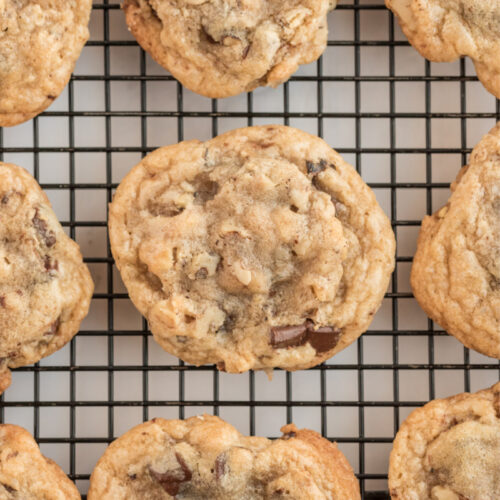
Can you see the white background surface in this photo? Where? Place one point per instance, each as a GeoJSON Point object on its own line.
{"type": "Point", "coordinates": [75, 435]}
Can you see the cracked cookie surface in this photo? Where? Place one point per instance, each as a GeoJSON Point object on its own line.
{"type": "Point", "coordinates": [26, 474]}
{"type": "Point", "coordinates": [45, 288]}
{"type": "Point", "coordinates": [444, 30]}
{"type": "Point", "coordinates": [40, 41]}
{"type": "Point", "coordinates": [456, 270]}
{"type": "Point", "coordinates": [260, 248]}
{"type": "Point", "coordinates": [220, 48]}
{"type": "Point", "coordinates": [205, 457]}
{"type": "Point", "coordinates": [449, 450]}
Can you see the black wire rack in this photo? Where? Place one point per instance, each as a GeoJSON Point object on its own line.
{"type": "Point", "coordinates": [412, 361]}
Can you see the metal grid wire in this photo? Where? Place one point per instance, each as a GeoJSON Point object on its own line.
{"type": "Point", "coordinates": [407, 125]}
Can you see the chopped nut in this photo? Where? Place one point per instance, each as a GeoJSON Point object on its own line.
{"type": "Point", "coordinates": [442, 212]}
{"type": "Point", "coordinates": [243, 275]}
{"type": "Point", "coordinates": [300, 199]}
{"type": "Point", "coordinates": [442, 493]}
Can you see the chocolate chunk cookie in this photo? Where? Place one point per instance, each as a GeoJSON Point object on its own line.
{"type": "Point", "coordinates": [40, 41]}
{"type": "Point", "coordinates": [45, 288]}
{"type": "Point", "coordinates": [205, 457]}
{"type": "Point", "coordinates": [444, 30]}
{"type": "Point", "coordinates": [26, 474]}
{"type": "Point", "coordinates": [456, 270]}
{"type": "Point", "coordinates": [449, 450]}
{"type": "Point", "coordinates": [260, 248]}
{"type": "Point", "coordinates": [220, 48]}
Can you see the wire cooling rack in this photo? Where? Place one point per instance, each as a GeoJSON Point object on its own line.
{"type": "Point", "coordinates": [407, 124]}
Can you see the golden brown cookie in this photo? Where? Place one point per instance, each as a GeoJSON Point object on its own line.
{"type": "Point", "coordinates": [40, 41]}
{"type": "Point", "coordinates": [25, 473]}
{"type": "Point", "coordinates": [449, 450]}
{"type": "Point", "coordinates": [45, 288]}
{"type": "Point", "coordinates": [205, 457]}
{"type": "Point", "coordinates": [456, 270]}
{"type": "Point", "coordinates": [444, 30]}
{"type": "Point", "coordinates": [260, 248]}
{"type": "Point", "coordinates": [220, 48]}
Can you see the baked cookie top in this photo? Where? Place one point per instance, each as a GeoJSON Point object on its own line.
{"type": "Point", "coordinates": [449, 450]}
{"type": "Point", "coordinates": [444, 30]}
{"type": "Point", "coordinates": [456, 270]}
{"type": "Point", "coordinates": [260, 248]}
{"type": "Point", "coordinates": [45, 288]}
{"type": "Point", "coordinates": [40, 41]}
{"type": "Point", "coordinates": [25, 473]}
{"type": "Point", "coordinates": [220, 48]}
{"type": "Point", "coordinates": [205, 457]}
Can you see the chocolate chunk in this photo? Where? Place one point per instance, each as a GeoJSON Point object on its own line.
{"type": "Point", "coordinates": [288, 435]}
{"type": "Point", "coordinates": [201, 274]}
{"type": "Point", "coordinates": [51, 97]}
{"type": "Point", "coordinates": [2, 301]}
{"type": "Point", "coordinates": [221, 467]}
{"type": "Point", "coordinates": [323, 339]}
{"type": "Point", "coordinates": [50, 265]}
{"type": "Point", "coordinates": [288, 336]}
{"type": "Point", "coordinates": [316, 168]}
{"type": "Point", "coordinates": [5, 199]}
{"type": "Point", "coordinates": [171, 480]}
{"type": "Point", "coordinates": [47, 235]}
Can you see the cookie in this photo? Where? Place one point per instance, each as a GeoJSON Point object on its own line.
{"type": "Point", "coordinates": [456, 269]}
{"type": "Point", "coordinates": [449, 450]}
{"type": "Point", "coordinates": [444, 30]}
{"type": "Point", "coordinates": [205, 457]}
{"type": "Point", "coordinates": [45, 288]}
{"type": "Point", "coordinates": [40, 42]}
{"type": "Point", "coordinates": [220, 48]}
{"type": "Point", "coordinates": [260, 248]}
{"type": "Point", "coordinates": [25, 473]}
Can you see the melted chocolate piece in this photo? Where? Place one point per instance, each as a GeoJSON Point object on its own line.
{"type": "Point", "coordinates": [325, 338]}
{"type": "Point", "coordinates": [229, 322]}
{"type": "Point", "coordinates": [50, 265]}
{"type": "Point", "coordinates": [221, 467]}
{"type": "Point", "coordinates": [322, 340]}
{"type": "Point", "coordinates": [9, 488]}
{"type": "Point", "coordinates": [171, 480]}
{"type": "Point", "coordinates": [206, 189]}
{"type": "Point", "coordinates": [2, 301]}
{"type": "Point", "coordinates": [316, 168]}
{"type": "Point", "coordinates": [288, 336]}
{"type": "Point", "coordinates": [201, 274]}
{"type": "Point", "coordinates": [496, 404]}
{"type": "Point", "coordinates": [47, 235]}
{"type": "Point", "coordinates": [170, 210]}
{"type": "Point", "coordinates": [5, 199]}
{"type": "Point", "coordinates": [53, 327]}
